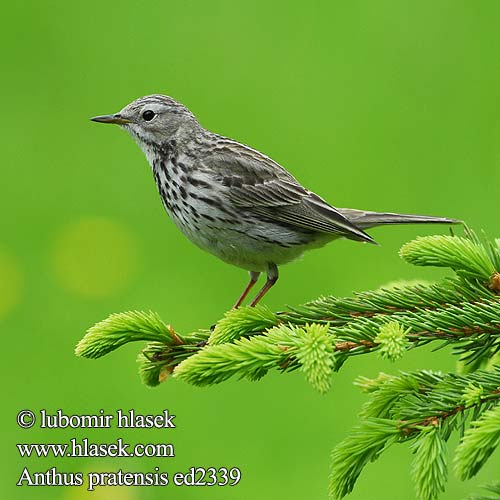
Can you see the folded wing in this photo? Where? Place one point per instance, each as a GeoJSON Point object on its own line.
{"type": "Point", "coordinates": [258, 184]}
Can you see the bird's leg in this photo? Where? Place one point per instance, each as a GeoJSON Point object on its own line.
{"type": "Point", "coordinates": [254, 276]}
{"type": "Point", "coordinates": [272, 278]}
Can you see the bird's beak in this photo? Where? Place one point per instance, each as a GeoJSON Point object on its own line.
{"type": "Point", "coordinates": [117, 119]}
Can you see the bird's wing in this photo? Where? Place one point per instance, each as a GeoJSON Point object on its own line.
{"type": "Point", "coordinates": [259, 185]}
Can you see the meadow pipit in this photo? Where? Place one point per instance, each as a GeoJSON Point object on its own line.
{"type": "Point", "coordinates": [234, 201]}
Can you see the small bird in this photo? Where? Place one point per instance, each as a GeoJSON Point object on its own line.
{"type": "Point", "coordinates": [233, 201]}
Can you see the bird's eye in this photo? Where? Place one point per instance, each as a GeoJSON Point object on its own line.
{"type": "Point", "coordinates": [148, 115]}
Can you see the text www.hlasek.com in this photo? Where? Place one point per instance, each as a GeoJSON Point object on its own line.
{"type": "Point", "coordinates": [86, 449]}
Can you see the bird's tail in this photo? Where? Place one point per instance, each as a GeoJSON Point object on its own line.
{"type": "Point", "coordinates": [364, 219]}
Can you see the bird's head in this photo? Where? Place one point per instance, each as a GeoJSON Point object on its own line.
{"type": "Point", "coordinates": [152, 119]}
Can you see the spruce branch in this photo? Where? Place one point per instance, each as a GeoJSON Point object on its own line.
{"type": "Point", "coordinates": [121, 328]}
{"type": "Point", "coordinates": [478, 443]}
{"type": "Point", "coordinates": [467, 256]}
{"type": "Point", "coordinates": [363, 445]}
{"type": "Point", "coordinates": [429, 467]}
{"type": "Point", "coordinates": [493, 492]}
{"type": "Point", "coordinates": [241, 322]}
{"type": "Point", "coordinates": [422, 409]}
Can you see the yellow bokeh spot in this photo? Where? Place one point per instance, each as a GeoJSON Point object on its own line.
{"type": "Point", "coordinates": [10, 283]}
{"type": "Point", "coordinates": [100, 492]}
{"type": "Point", "coordinates": [95, 257]}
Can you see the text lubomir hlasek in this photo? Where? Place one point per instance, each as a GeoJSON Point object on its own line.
{"type": "Point", "coordinates": [121, 419]}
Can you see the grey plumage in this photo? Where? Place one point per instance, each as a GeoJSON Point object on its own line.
{"type": "Point", "coordinates": [234, 201]}
{"type": "Point", "coordinates": [365, 219]}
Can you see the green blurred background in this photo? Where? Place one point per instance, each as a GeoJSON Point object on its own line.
{"type": "Point", "coordinates": [388, 105]}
